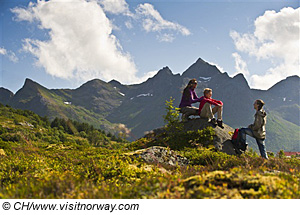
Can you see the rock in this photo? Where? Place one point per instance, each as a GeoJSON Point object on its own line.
{"type": "Point", "coordinates": [161, 155]}
{"type": "Point", "coordinates": [222, 139]}
{"type": "Point", "coordinates": [25, 124]}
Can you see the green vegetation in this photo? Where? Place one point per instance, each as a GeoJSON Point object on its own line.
{"type": "Point", "coordinates": [277, 131]}
{"type": "Point", "coordinates": [67, 159]}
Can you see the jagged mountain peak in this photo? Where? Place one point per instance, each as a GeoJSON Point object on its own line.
{"type": "Point", "coordinates": [201, 61]}
{"type": "Point", "coordinates": [29, 82]}
{"type": "Point", "coordinates": [114, 82]}
{"type": "Point", "coordinates": [2, 89]}
{"type": "Point", "coordinates": [201, 69]}
{"type": "Point", "coordinates": [5, 95]}
{"type": "Point", "coordinates": [30, 87]}
{"type": "Point", "coordinates": [240, 79]}
{"type": "Point", "coordinates": [165, 71]}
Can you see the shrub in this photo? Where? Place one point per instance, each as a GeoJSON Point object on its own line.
{"type": "Point", "coordinates": [172, 117]}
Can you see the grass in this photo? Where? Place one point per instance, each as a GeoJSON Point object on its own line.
{"type": "Point", "coordinates": [43, 161]}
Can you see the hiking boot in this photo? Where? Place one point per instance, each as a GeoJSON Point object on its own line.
{"type": "Point", "coordinates": [213, 121]}
{"type": "Point", "coordinates": [220, 123]}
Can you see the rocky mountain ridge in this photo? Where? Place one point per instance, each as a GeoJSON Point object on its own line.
{"type": "Point", "coordinates": [140, 107]}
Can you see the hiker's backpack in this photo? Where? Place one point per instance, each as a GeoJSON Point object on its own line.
{"type": "Point", "coordinates": [238, 144]}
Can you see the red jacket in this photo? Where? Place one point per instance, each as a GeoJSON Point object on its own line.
{"type": "Point", "coordinates": [210, 101]}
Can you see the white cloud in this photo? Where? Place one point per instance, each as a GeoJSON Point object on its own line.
{"type": "Point", "coordinates": [149, 75]}
{"type": "Point", "coordinates": [116, 7]}
{"type": "Point", "coordinates": [166, 38]}
{"type": "Point", "coordinates": [3, 51]}
{"type": "Point", "coordinates": [276, 38]}
{"type": "Point", "coordinates": [240, 65]}
{"type": "Point", "coordinates": [81, 44]}
{"type": "Point", "coordinates": [24, 13]}
{"type": "Point", "coordinates": [152, 21]}
{"type": "Point", "coordinates": [11, 55]}
{"type": "Point", "coordinates": [128, 24]}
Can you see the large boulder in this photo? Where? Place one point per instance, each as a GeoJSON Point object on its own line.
{"type": "Point", "coordinates": [222, 138]}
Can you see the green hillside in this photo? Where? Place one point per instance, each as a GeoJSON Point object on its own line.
{"type": "Point", "coordinates": [64, 104]}
{"type": "Point", "coordinates": [68, 159]}
{"type": "Point", "coordinates": [282, 134]}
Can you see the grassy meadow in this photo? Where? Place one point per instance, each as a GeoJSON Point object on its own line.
{"type": "Point", "coordinates": [67, 159]}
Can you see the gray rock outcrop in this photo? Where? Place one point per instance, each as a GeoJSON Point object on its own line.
{"type": "Point", "coordinates": [160, 155]}
{"type": "Point", "coordinates": [222, 139]}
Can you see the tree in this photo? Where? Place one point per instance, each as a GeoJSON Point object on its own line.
{"type": "Point", "coordinates": [172, 117]}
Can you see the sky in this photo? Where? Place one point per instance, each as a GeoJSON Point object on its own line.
{"type": "Point", "coordinates": [65, 43]}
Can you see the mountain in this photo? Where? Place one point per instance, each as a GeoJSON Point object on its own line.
{"type": "Point", "coordinates": [283, 98]}
{"type": "Point", "coordinates": [144, 104]}
{"type": "Point", "coordinates": [5, 95]}
{"type": "Point", "coordinates": [140, 107]}
{"type": "Point", "coordinates": [89, 103]}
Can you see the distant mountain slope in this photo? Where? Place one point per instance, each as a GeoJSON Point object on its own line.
{"type": "Point", "coordinates": [89, 103]}
{"type": "Point", "coordinates": [144, 104]}
{"type": "Point", "coordinates": [284, 98]}
{"type": "Point", "coordinates": [282, 134]}
{"type": "Point", "coordinates": [5, 95]}
{"type": "Point", "coordinates": [141, 106]}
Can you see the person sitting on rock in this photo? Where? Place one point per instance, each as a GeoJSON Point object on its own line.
{"type": "Point", "coordinates": [189, 97]}
{"type": "Point", "coordinates": [206, 111]}
{"type": "Point", "coordinates": [258, 128]}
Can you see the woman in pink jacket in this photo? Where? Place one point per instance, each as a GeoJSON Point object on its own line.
{"type": "Point", "coordinates": [189, 97]}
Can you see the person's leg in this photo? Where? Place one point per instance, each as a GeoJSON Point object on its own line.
{"type": "Point", "coordinates": [206, 111]}
{"type": "Point", "coordinates": [183, 111]}
{"type": "Point", "coordinates": [219, 111]}
{"type": "Point", "coordinates": [188, 111]}
{"type": "Point", "coordinates": [244, 132]}
{"type": "Point", "coordinates": [262, 148]}
{"type": "Point", "coordinates": [193, 111]}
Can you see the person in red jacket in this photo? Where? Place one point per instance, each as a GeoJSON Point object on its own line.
{"type": "Point", "coordinates": [206, 111]}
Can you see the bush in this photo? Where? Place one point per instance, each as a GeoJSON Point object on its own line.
{"type": "Point", "coordinates": [172, 117]}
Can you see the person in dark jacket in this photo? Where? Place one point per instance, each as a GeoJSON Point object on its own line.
{"type": "Point", "coordinates": [206, 111]}
{"type": "Point", "coordinates": [189, 97]}
{"type": "Point", "coordinates": [258, 128]}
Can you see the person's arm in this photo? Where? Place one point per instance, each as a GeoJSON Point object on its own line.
{"type": "Point", "coordinates": [215, 102]}
{"type": "Point", "coordinates": [218, 102]}
{"type": "Point", "coordinates": [194, 98]}
{"type": "Point", "coordinates": [258, 123]}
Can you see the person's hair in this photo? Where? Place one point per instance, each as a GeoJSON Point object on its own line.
{"type": "Point", "coordinates": [186, 89]}
{"type": "Point", "coordinates": [206, 90]}
{"type": "Point", "coordinates": [260, 103]}
{"type": "Point", "coordinates": [192, 81]}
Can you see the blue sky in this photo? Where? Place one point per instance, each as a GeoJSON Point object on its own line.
{"type": "Point", "coordinates": [63, 44]}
